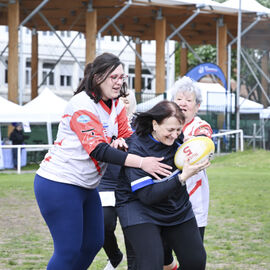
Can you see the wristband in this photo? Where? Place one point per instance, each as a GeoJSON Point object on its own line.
{"type": "Point", "coordinates": [183, 183]}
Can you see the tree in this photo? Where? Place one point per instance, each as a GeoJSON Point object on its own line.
{"type": "Point", "coordinates": [208, 53]}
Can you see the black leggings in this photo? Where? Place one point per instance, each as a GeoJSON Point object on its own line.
{"type": "Point", "coordinates": [147, 243]}
{"type": "Point", "coordinates": [110, 242]}
{"type": "Point", "coordinates": [168, 253]}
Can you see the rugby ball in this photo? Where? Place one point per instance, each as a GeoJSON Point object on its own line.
{"type": "Point", "coordinates": [197, 149]}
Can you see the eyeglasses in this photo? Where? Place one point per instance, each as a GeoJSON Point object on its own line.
{"type": "Point", "coordinates": [116, 78]}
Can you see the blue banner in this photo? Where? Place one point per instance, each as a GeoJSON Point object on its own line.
{"type": "Point", "coordinates": [204, 69]}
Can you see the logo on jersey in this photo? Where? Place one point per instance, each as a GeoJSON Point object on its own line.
{"type": "Point", "coordinates": [83, 119]}
{"type": "Point", "coordinates": [90, 136]}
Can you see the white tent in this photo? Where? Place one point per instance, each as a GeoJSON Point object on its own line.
{"type": "Point", "coordinates": [215, 99]}
{"type": "Point", "coordinates": [147, 105]}
{"type": "Point", "coordinates": [45, 108]}
{"type": "Point", "coordinates": [247, 6]}
{"type": "Point", "coordinates": [265, 113]}
{"type": "Point", "coordinates": [9, 111]}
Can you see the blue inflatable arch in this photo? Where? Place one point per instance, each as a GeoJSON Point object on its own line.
{"type": "Point", "coordinates": [204, 69]}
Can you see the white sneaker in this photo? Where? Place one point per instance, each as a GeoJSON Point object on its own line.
{"type": "Point", "coordinates": [109, 266]}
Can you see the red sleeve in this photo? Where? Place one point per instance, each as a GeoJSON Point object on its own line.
{"type": "Point", "coordinates": [88, 129]}
{"type": "Point", "coordinates": [124, 129]}
{"type": "Point", "coordinates": [203, 130]}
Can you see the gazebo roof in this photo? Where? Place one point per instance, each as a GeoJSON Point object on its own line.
{"type": "Point", "coordinates": [138, 20]}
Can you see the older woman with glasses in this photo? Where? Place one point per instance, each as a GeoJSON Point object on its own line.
{"type": "Point", "coordinates": [66, 183]}
{"type": "Point", "coordinates": [187, 95]}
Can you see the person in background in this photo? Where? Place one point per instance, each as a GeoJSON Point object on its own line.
{"type": "Point", "coordinates": [151, 210]}
{"type": "Point", "coordinates": [187, 95]}
{"type": "Point", "coordinates": [17, 138]}
{"type": "Point", "coordinates": [106, 188]}
{"type": "Point", "coordinates": [66, 183]}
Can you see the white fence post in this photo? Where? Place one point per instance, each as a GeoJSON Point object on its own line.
{"type": "Point", "coordinates": [34, 147]}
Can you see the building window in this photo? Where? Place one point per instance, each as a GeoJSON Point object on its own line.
{"type": "Point", "coordinates": [44, 33]}
{"type": "Point", "coordinates": [66, 71]}
{"type": "Point", "coordinates": [146, 81]}
{"type": "Point", "coordinates": [6, 73]}
{"type": "Point", "coordinates": [68, 79]}
{"type": "Point", "coordinates": [81, 72]}
{"type": "Point", "coordinates": [6, 76]}
{"type": "Point", "coordinates": [65, 80]}
{"type": "Point", "coordinates": [115, 38]}
{"type": "Point", "coordinates": [27, 73]}
{"type": "Point", "coordinates": [48, 74]}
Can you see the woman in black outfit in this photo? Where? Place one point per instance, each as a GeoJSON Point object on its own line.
{"type": "Point", "coordinates": [106, 189]}
{"type": "Point", "coordinates": [17, 138]}
{"type": "Point", "coordinates": [149, 209]}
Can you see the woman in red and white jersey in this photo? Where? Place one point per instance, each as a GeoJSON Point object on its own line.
{"type": "Point", "coordinates": [187, 95]}
{"type": "Point", "coordinates": [94, 124]}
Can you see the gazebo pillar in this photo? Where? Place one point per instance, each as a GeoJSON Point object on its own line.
{"type": "Point", "coordinates": [264, 65]}
{"type": "Point", "coordinates": [13, 23]}
{"type": "Point", "coordinates": [160, 35]}
{"type": "Point", "coordinates": [222, 59]}
{"type": "Point", "coordinates": [90, 35]}
{"type": "Point", "coordinates": [34, 65]}
{"type": "Point", "coordinates": [138, 71]}
{"type": "Point", "coordinates": [183, 60]}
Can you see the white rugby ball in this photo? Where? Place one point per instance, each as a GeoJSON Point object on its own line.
{"type": "Point", "coordinates": [197, 149]}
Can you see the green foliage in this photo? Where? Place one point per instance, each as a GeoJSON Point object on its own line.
{"type": "Point", "coordinates": [177, 61]}
{"type": "Point", "coordinates": [265, 3]}
{"type": "Point", "coordinates": [207, 53]}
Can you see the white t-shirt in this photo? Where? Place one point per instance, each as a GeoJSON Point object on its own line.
{"type": "Point", "coordinates": [84, 125]}
{"type": "Point", "coordinates": [197, 185]}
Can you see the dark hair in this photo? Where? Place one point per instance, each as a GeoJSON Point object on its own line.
{"type": "Point", "coordinates": [161, 111]}
{"type": "Point", "coordinates": [96, 73]}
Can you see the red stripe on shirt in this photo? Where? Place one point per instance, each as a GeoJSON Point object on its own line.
{"type": "Point", "coordinates": [124, 129]}
{"type": "Point", "coordinates": [198, 184]}
{"type": "Point", "coordinates": [105, 107]}
{"type": "Point", "coordinates": [96, 164]}
{"type": "Point", "coordinates": [186, 125]}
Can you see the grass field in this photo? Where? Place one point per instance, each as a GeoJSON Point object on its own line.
{"type": "Point", "coordinates": [237, 237]}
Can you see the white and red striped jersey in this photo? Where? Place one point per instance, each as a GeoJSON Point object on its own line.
{"type": "Point", "coordinates": [84, 125]}
{"type": "Point", "coordinates": [197, 185]}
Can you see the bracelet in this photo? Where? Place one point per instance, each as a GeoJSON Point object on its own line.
{"type": "Point", "coordinates": [183, 183]}
{"type": "Point", "coordinates": [141, 163]}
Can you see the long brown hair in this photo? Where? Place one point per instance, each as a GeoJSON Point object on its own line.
{"type": "Point", "coordinates": [96, 73]}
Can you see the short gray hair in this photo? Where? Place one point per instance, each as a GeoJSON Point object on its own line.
{"type": "Point", "coordinates": [186, 84]}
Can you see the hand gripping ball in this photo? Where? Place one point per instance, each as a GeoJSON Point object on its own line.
{"type": "Point", "coordinates": [197, 149]}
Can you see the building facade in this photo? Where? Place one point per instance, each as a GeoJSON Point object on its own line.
{"type": "Point", "coordinates": [61, 71]}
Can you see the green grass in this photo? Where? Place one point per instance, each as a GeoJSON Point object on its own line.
{"type": "Point", "coordinates": [237, 235]}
